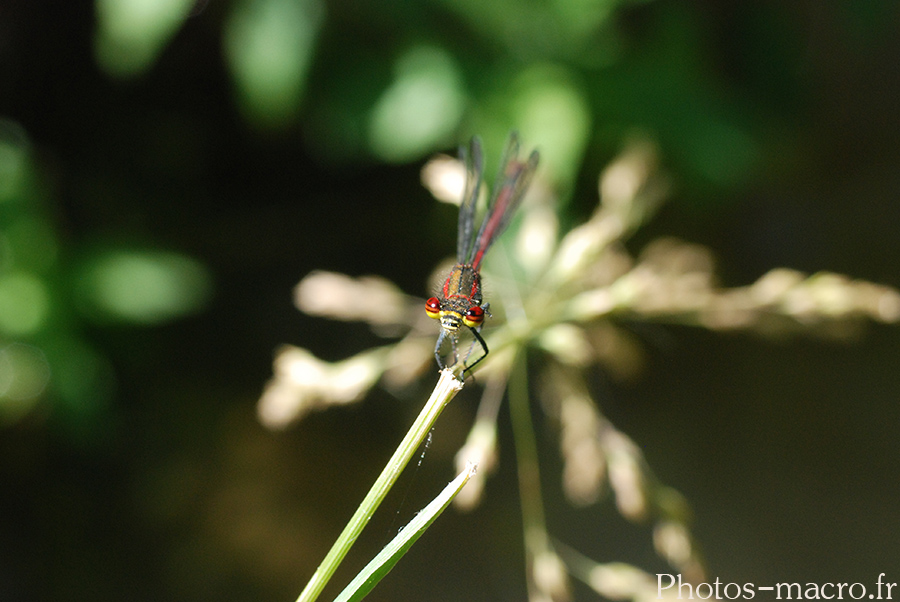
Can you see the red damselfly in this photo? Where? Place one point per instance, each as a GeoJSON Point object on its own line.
{"type": "Point", "coordinates": [460, 300]}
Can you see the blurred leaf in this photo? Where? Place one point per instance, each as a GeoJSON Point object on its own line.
{"type": "Point", "coordinates": [269, 46]}
{"type": "Point", "coordinates": [553, 112]}
{"type": "Point", "coordinates": [132, 33]}
{"type": "Point", "coordinates": [24, 303]}
{"type": "Point", "coordinates": [145, 287]}
{"type": "Point", "coordinates": [420, 109]}
{"type": "Point", "coordinates": [31, 244]}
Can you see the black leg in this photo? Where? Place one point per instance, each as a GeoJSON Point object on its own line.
{"type": "Point", "coordinates": [484, 348]}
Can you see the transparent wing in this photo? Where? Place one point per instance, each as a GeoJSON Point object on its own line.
{"type": "Point", "coordinates": [509, 188]}
{"type": "Point", "coordinates": [474, 162]}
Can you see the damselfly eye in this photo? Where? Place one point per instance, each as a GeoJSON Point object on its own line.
{"type": "Point", "coordinates": [433, 308]}
{"type": "Point", "coordinates": [474, 316]}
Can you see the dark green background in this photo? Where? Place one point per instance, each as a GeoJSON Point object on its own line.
{"type": "Point", "coordinates": [787, 450]}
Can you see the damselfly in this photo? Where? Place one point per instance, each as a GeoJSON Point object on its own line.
{"type": "Point", "coordinates": [460, 302]}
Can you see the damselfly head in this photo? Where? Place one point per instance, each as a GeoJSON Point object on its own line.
{"type": "Point", "coordinates": [450, 320]}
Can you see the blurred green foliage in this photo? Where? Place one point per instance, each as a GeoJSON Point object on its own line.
{"type": "Point", "coordinates": [48, 292]}
{"type": "Point", "coordinates": [144, 287]}
{"type": "Point", "coordinates": [269, 45]}
{"type": "Point", "coordinates": [131, 34]}
{"type": "Point", "coordinates": [397, 80]}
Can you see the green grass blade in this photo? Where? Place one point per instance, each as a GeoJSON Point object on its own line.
{"type": "Point", "coordinates": [382, 564]}
{"type": "Point", "coordinates": [446, 388]}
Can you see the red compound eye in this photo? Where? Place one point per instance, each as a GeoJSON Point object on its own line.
{"type": "Point", "coordinates": [474, 317]}
{"type": "Point", "coordinates": [433, 308]}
